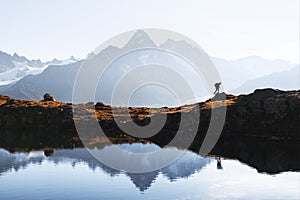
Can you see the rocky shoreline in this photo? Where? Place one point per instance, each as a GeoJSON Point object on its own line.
{"type": "Point", "coordinates": [267, 113]}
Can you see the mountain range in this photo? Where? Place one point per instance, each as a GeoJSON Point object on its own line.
{"type": "Point", "coordinates": [30, 79]}
{"type": "Point", "coordinates": [15, 67]}
{"type": "Point", "coordinates": [283, 80]}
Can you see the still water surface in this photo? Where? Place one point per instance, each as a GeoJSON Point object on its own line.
{"type": "Point", "coordinates": [75, 174]}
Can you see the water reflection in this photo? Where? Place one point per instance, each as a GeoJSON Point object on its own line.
{"type": "Point", "coordinates": [75, 174]}
{"type": "Point", "coordinates": [183, 167]}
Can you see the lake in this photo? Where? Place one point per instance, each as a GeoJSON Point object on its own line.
{"type": "Point", "coordinates": [76, 174]}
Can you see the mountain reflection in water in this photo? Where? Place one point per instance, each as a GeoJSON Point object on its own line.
{"type": "Point", "coordinates": [184, 166]}
{"type": "Point", "coordinates": [76, 174]}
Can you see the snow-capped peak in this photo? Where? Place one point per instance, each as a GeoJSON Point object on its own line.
{"type": "Point", "coordinates": [15, 67]}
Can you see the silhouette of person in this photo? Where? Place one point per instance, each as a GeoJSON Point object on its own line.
{"type": "Point", "coordinates": [219, 164]}
{"type": "Point", "coordinates": [217, 86]}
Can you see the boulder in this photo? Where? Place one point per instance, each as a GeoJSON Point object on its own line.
{"type": "Point", "coordinates": [99, 105]}
{"type": "Point", "coordinates": [48, 97]}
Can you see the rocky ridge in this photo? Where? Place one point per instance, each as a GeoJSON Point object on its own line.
{"type": "Point", "coordinates": [267, 113]}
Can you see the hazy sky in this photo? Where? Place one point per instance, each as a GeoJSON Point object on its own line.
{"type": "Point", "coordinates": [224, 28]}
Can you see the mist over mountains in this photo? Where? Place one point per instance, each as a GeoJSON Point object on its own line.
{"type": "Point", "coordinates": [283, 80]}
{"type": "Point", "coordinates": [30, 79]}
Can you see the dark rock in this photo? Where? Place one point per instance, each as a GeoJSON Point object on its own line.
{"type": "Point", "coordinates": [48, 97]}
{"type": "Point", "coordinates": [276, 107]}
{"type": "Point", "coordinates": [293, 103]}
{"type": "Point", "coordinates": [101, 106]}
{"type": "Point", "coordinates": [48, 152]}
{"type": "Point", "coordinates": [219, 96]}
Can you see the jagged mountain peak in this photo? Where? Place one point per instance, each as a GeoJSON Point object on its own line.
{"type": "Point", "coordinates": [139, 39]}
{"type": "Point", "coordinates": [72, 58]}
{"type": "Point", "coordinates": [17, 58]}
{"type": "Point", "coordinates": [180, 45]}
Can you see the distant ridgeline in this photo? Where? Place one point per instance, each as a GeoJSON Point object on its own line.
{"type": "Point", "coordinates": [266, 120]}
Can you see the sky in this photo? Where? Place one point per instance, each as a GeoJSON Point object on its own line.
{"type": "Point", "coordinates": [226, 29]}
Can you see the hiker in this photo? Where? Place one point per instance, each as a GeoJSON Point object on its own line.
{"type": "Point", "coordinates": [217, 86]}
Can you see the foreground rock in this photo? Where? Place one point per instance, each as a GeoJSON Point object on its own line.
{"type": "Point", "coordinates": [266, 113]}
{"type": "Point", "coordinates": [48, 97]}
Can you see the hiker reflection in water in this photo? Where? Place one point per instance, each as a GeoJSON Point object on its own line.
{"type": "Point", "coordinates": [219, 164]}
{"type": "Point", "coordinates": [217, 86]}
